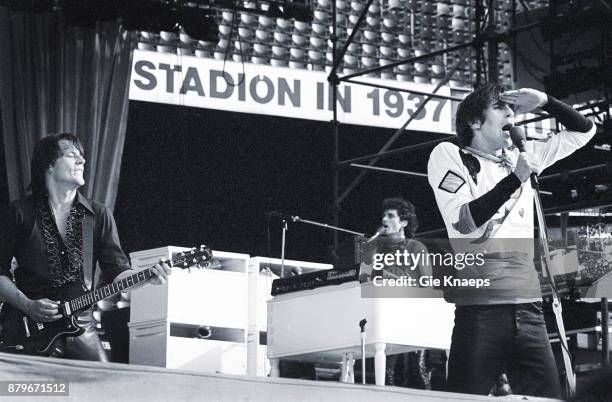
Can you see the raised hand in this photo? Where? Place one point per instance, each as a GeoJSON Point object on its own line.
{"type": "Point", "coordinates": [524, 100]}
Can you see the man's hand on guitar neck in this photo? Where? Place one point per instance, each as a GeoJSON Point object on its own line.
{"type": "Point", "coordinates": [43, 310]}
{"type": "Point", "coordinates": [160, 273]}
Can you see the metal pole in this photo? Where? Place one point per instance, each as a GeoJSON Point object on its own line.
{"type": "Point", "coordinates": [584, 169]}
{"type": "Point", "coordinates": [412, 91]}
{"type": "Point", "coordinates": [362, 325]}
{"type": "Point", "coordinates": [474, 43]}
{"type": "Point", "coordinates": [387, 170]}
{"type": "Point", "coordinates": [398, 132]}
{"type": "Point", "coordinates": [282, 271]}
{"type": "Point", "coordinates": [337, 60]}
{"type": "Point", "coordinates": [492, 45]}
{"type": "Point", "coordinates": [333, 80]}
{"type": "Point", "coordinates": [605, 322]}
{"type": "Point", "coordinates": [407, 61]}
{"type": "Point", "coordinates": [396, 151]}
{"type": "Point", "coordinates": [570, 377]}
{"type": "Point", "coordinates": [326, 226]}
{"type": "Point", "coordinates": [478, 48]}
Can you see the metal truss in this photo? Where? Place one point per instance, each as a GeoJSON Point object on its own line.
{"type": "Point", "coordinates": [485, 34]}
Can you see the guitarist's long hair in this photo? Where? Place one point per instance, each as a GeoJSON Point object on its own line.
{"type": "Point", "coordinates": [46, 152]}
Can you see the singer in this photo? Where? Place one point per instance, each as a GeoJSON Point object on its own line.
{"type": "Point", "coordinates": [483, 193]}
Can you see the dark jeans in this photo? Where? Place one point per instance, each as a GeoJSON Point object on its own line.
{"type": "Point", "coordinates": [86, 346]}
{"type": "Point", "coordinates": [492, 339]}
{"type": "Point", "coordinates": [408, 370]}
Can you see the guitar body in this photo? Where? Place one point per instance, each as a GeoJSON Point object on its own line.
{"type": "Point", "coordinates": [21, 334]}
{"type": "Point", "coordinates": [24, 335]}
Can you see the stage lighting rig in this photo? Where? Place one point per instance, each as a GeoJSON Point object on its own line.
{"type": "Point", "coordinates": [199, 23]}
{"type": "Point", "coordinates": [299, 10]}
{"type": "Point", "coordinates": [147, 15]}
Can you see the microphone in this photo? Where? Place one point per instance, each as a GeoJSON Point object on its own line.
{"type": "Point", "coordinates": [517, 134]}
{"type": "Point", "coordinates": [283, 216]}
{"type": "Point", "coordinates": [379, 231]}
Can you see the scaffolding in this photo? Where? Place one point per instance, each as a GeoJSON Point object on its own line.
{"type": "Point", "coordinates": [485, 36]}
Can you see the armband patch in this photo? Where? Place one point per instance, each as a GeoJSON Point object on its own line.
{"type": "Point", "coordinates": [451, 182]}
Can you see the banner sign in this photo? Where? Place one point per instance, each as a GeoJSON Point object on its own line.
{"type": "Point", "coordinates": [278, 91]}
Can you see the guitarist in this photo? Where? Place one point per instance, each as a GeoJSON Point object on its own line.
{"type": "Point", "coordinates": [56, 236]}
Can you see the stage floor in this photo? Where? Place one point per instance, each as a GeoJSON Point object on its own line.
{"type": "Point", "coordinates": [92, 381]}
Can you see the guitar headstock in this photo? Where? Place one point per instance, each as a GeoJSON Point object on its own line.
{"type": "Point", "coordinates": [197, 257]}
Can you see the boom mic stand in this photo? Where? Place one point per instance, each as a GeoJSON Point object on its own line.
{"type": "Point", "coordinates": [556, 302]}
{"type": "Point", "coordinates": [518, 139]}
{"type": "Point", "coordinates": [285, 218]}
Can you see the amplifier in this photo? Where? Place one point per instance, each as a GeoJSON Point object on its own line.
{"type": "Point", "coordinates": [314, 280]}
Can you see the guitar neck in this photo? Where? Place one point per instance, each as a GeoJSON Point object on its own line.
{"type": "Point", "coordinates": [183, 260]}
{"type": "Point", "coordinates": [91, 298]}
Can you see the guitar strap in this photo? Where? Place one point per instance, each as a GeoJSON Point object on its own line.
{"type": "Point", "coordinates": [89, 267]}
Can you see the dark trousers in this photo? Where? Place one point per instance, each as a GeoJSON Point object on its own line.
{"type": "Point", "coordinates": [408, 370]}
{"type": "Point", "coordinates": [86, 346]}
{"type": "Point", "coordinates": [489, 340]}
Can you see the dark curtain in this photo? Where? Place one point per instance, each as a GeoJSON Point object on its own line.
{"type": "Point", "coordinates": [54, 78]}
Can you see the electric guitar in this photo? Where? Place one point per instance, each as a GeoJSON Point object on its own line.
{"type": "Point", "coordinates": [21, 334]}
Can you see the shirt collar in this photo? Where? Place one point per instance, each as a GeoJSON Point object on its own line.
{"type": "Point", "coordinates": [84, 202]}
{"type": "Point", "coordinates": [502, 159]}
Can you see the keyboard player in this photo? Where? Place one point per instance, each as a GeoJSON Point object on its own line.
{"type": "Point", "coordinates": [398, 227]}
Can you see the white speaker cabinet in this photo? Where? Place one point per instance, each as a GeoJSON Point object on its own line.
{"type": "Point", "coordinates": [197, 321]}
{"type": "Point", "coordinates": [262, 271]}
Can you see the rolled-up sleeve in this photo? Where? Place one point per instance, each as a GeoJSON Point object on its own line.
{"type": "Point", "coordinates": [110, 256]}
{"type": "Point", "coordinates": [560, 146]}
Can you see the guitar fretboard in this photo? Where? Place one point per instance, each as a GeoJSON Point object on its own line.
{"type": "Point", "coordinates": [112, 289]}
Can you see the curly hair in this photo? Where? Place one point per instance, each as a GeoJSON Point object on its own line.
{"type": "Point", "coordinates": [471, 110]}
{"type": "Point", "coordinates": [46, 152]}
{"type": "Point", "coordinates": [405, 211]}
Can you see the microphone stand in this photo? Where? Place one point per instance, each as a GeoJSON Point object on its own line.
{"type": "Point", "coordinates": [326, 226]}
{"type": "Point", "coordinates": [298, 219]}
{"type": "Point", "coordinates": [362, 324]}
{"type": "Point", "coordinates": [282, 271]}
{"type": "Point", "coordinates": [556, 302]}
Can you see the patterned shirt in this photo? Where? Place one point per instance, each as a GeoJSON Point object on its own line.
{"type": "Point", "coordinates": [28, 233]}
